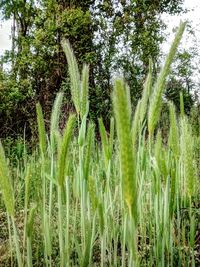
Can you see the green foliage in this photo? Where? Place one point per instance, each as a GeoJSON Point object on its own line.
{"type": "Point", "coordinates": [187, 153]}
{"type": "Point", "coordinates": [38, 65]}
{"type": "Point", "coordinates": [156, 99]}
{"type": "Point", "coordinates": [136, 26]}
{"type": "Point", "coordinates": [72, 208]}
{"type": "Point", "coordinates": [127, 160]}
{"type": "Point", "coordinates": [96, 30]}
{"type": "Point", "coordinates": [181, 81]}
{"type": "Point", "coordinates": [146, 94]}
{"type": "Point", "coordinates": [41, 130]}
{"type": "Point", "coordinates": [5, 183]}
{"type": "Point", "coordinates": [90, 142]}
{"type": "Point", "coordinates": [173, 135]}
{"type": "Point", "coordinates": [79, 84]}
{"type": "Point", "coordinates": [55, 116]}
{"type": "Point", "coordinates": [85, 91]}
{"type": "Point", "coordinates": [67, 136]}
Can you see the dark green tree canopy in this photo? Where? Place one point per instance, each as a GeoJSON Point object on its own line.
{"type": "Point", "coordinates": [112, 36]}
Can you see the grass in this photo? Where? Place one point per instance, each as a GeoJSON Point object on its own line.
{"type": "Point", "coordinates": [130, 200]}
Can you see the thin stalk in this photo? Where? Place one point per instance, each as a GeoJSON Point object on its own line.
{"type": "Point", "coordinates": [60, 227]}
{"type": "Point", "coordinates": [17, 245]}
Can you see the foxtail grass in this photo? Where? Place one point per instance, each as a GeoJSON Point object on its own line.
{"type": "Point", "coordinates": [73, 73]}
{"type": "Point", "coordinates": [41, 130]}
{"type": "Point", "coordinates": [129, 199]}
{"type": "Point", "coordinates": [123, 124]}
{"type": "Point", "coordinates": [156, 99]}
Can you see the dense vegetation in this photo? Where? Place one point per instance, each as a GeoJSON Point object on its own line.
{"type": "Point", "coordinates": [112, 36]}
{"type": "Point", "coordinates": [130, 200]}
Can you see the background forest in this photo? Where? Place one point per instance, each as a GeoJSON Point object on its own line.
{"type": "Point", "coordinates": [115, 37]}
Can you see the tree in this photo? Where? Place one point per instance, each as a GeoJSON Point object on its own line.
{"type": "Point", "coordinates": [113, 36]}
{"type": "Point", "coordinates": [182, 81]}
{"type": "Point", "coordinates": [39, 68]}
{"type": "Point", "coordinates": [128, 34]}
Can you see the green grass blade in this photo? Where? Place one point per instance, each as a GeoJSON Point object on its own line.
{"type": "Point", "coordinates": [5, 183]}
{"type": "Point", "coordinates": [84, 91]}
{"type": "Point", "coordinates": [156, 99]}
{"type": "Point", "coordinates": [41, 129]}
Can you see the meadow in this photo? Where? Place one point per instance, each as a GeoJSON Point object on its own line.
{"type": "Point", "coordinates": [130, 199]}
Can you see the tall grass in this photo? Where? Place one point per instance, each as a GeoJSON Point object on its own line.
{"type": "Point", "coordinates": [155, 107]}
{"type": "Point", "coordinates": [130, 200]}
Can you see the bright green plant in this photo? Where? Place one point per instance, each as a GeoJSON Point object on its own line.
{"type": "Point", "coordinates": [129, 200]}
{"type": "Point", "coordinates": [156, 99]}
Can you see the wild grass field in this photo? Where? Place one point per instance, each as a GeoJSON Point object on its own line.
{"type": "Point", "coordinates": [130, 199]}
